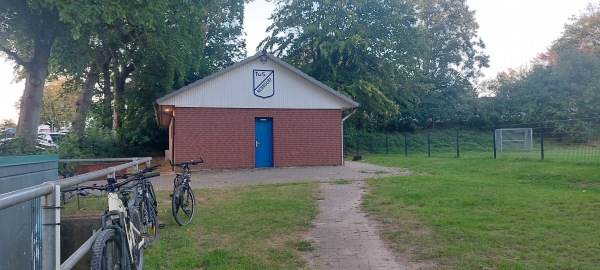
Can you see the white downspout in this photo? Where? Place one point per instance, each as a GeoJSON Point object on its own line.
{"type": "Point", "coordinates": [343, 120]}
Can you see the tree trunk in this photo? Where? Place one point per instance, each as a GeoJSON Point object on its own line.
{"type": "Point", "coordinates": [108, 96]}
{"type": "Point", "coordinates": [84, 101]}
{"type": "Point", "coordinates": [118, 106]}
{"type": "Point", "coordinates": [31, 102]}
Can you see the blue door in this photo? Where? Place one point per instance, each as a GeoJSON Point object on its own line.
{"type": "Point", "coordinates": [264, 142]}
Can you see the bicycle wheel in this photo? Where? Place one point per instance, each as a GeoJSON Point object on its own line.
{"type": "Point", "coordinates": [138, 251]}
{"type": "Point", "coordinates": [183, 204]}
{"type": "Point", "coordinates": [149, 220]}
{"type": "Point", "coordinates": [108, 252]}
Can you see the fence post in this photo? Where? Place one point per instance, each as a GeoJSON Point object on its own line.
{"type": "Point", "coordinates": [51, 229]}
{"type": "Point", "coordinates": [542, 141]}
{"type": "Point", "coordinates": [457, 145]}
{"type": "Point", "coordinates": [405, 146]}
{"type": "Point", "coordinates": [494, 133]}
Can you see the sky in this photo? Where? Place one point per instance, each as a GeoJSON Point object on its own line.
{"type": "Point", "coordinates": [514, 31]}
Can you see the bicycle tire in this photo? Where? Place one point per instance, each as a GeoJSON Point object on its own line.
{"type": "Point", "coordinates": [108, 253]}
{"type": "Point", "coordinates": [149, 220]}
{"type": "Point", "coordinates": [152, 197]}
{"type": "Point", "coordinates": [153, 210]}
{"type": "Point", "coordinates": [138, 253]}
{"type": "Point", "coordinates": [183, 204]}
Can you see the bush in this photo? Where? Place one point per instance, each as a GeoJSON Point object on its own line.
{"type": "Point", "coordinates": [19, 146]}
{"type": "Point", "coordinates": [94, 143]}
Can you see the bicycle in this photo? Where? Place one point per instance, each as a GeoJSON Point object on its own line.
{"type": "Point", "coordinates": [66, 172]}
{"type": "Point", "coordinates": [146, 202]}
{"type": "Point", "coordinates": [183, 200]}
{"type": "Point", "coordinates": [121, 242]}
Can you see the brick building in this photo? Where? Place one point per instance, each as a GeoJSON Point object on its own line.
{"type": "Point", "coordinates": [260, 112]}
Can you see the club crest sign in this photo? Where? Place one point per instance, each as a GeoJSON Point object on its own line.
{"type": "Point", "coordinates": [263, 83]}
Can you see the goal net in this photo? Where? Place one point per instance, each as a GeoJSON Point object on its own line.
{"type": "Point", "coordinates": [514, 139]}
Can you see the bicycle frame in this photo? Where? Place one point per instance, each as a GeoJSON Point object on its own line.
{"type": "Point", "coordinates": [185, 176]}
{"type": "Point", "coordinates": [118, 211]}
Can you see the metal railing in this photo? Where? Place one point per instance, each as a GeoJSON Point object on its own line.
{"type": "Point", "coordinates": [50, 194]}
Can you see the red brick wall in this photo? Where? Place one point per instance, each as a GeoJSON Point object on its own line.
{"type": "Point", "coordinates": [224, 138]}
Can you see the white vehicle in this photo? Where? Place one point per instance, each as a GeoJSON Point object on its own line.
{"type": "Point", "coordinates": [49, 139]}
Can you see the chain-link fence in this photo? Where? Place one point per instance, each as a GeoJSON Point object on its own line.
{"type": "Point", "coordinates": [428, 143]}
{"type": "Point", "coordinates": [573, 141]}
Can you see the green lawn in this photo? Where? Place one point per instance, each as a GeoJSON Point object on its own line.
{"type": "Point", "coordinates": [479, 213]}
{"type": "Point", "coordinates": [467, 213]}
{"type": "Point", "coordinates": [250, 227]}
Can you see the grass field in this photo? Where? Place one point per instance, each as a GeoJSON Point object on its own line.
{"type": "Point", "coordinates": [251, 227]}
{"type": "Point", "coordinates": [469, 213]}
{"type": "Point", "coordinates": [480, 213]}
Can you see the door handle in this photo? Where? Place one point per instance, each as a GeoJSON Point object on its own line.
{"type": "Point", "coordinates": [257, 143]}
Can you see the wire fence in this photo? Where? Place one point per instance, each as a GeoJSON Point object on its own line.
{"type": "Point", "coordinates": [572, 141]}
{"type": "Point", "coordinates": [428, 143]}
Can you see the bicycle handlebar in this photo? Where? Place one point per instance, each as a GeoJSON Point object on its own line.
{"type": "Point", "coordinates": [141, 173]}
{"type": "Point", "coordinates": [150, 175]}
{"type": "Point", "coordinates": [151, 168]}
{"type": "Point", "coordinates": [187, 163]}
{"type": "Point", "coordinates": [111, 182]}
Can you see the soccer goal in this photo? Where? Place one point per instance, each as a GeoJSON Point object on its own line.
{"type": "Point", "coordinates": [514, 139]}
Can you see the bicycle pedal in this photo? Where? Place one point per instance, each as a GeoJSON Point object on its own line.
{"type": "Point", "coordinates": [162, 226]}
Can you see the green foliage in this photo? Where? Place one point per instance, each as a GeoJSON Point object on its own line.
{"type": "Point", "coordinates": [403, 61]}
{"type": "Point", "coordinates": [561, 85]}
{"type": "Point", "coordinates": [480, 213]}
{"type": "Point", "coordinates": [452, 63]}
{"type": "Point", "coordinates": [19, 146]}
{"type": "Point", "coordinates": [368, 50]}
{"type": "Point", "coordinates": [94, 143]}
{"type": "Point", "coordinates": [224, 37]}
{"type": "Point", "coordinates": [443, 142]}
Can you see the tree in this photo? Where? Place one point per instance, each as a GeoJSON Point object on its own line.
{"type": "Point", "coordinates": [8, 123]}
{"type": "Point", "coordinates": [368, 50]}
{"type": "Point", "coordinates": [58, 103]}
{"type": "Point", "coordinates": [562, 82]}
{"type": "Point", "coordinates": [194, 41]}
{"type": "Point", "coordinates": [28, 30]}
{"type": "Point", "coordinates": [224, 42]}
{"type": "Point", "coordinates": [453, 60]}
{"type": "Point", "coordinates": [583, 33]}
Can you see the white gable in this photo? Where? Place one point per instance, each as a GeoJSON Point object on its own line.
{"type": "Point", "coordinates": [252, 84]}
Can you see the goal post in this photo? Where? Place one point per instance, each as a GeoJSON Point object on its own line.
{"type": "Point", "coordinates": [514, 139]}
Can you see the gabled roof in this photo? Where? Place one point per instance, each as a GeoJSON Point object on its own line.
{"type": "Point", "coordinates": [348, 103]}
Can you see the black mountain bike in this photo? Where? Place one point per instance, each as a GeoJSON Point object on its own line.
{"type": "Point", "coordinates": [183, 200]}
{"type": "Point", "coordinates": [145, 202]}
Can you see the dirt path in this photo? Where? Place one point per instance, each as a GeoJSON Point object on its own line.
{"type": "Point", "coordinates": [343, 237]}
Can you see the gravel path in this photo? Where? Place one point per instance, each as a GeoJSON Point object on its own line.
{"type": "Point", "coordinates": [220, 178]}
{"type": "Point", "coordinates": [343, 237]}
